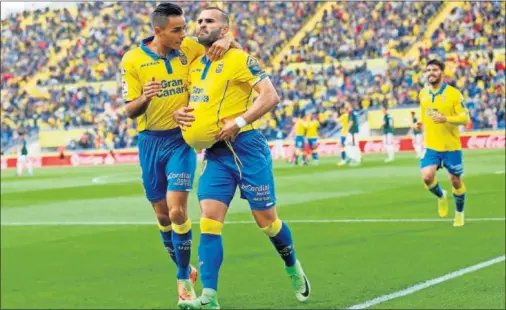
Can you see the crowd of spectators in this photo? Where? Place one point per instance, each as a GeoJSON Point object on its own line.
{"type": "Point", "coordinates": [361, 30]}
{"type": "Point", "coordinates": [473, 25]}
{"type": "Point", "coordinates": [97, 54]}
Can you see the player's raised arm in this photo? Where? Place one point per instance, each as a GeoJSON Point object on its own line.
{"type": "Point", "coordinates": [461, 116]}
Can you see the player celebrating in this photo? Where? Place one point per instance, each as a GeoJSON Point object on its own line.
{"type": "Point", "coordinates": [312, 134]}
{"type": "Point", "coordinates": [224, 112]}
{"type": "Point", "coordinates": [154, 81]}
{"type": "Point", "coordinates": [442, 111]}
{"type": "Point", "coordinates": [388, 134]}
{"type": "Point", "coordinates": [300, 132]}
{"type": "Point", "coordinates": [417, 135]}
{"type": "Point", "coordinates": [343, 119]}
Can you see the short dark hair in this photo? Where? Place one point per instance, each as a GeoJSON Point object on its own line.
{"type": "Point", "coordinates": [438, 63]}
{"type": "Point", "coordinates": [224, 15]}
{"type": "Point", "coordinates": [164, 10]}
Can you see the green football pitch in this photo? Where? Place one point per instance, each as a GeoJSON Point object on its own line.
{"type": "Point", "coordinates": [368, 236]}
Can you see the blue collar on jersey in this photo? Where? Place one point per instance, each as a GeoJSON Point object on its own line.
{"type": "Point", "coordinates": [155, 57]}
{"type": "Point", "coordinates": [439, 92]}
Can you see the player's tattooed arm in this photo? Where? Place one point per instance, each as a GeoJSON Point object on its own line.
{"type": "Point", "coordinates": [138, 106]}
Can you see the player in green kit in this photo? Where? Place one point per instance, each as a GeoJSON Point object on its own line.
{"type": "Point", "coordinates": [24, 160]}
{"type": "Point", "coordinates": [388, 134]}
{"type": "Point", "coordinates": [352, 147]}
{"type": "Point", "coordinates": [417, 135]}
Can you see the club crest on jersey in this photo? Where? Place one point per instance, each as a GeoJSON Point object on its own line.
{"type": "Point", "coordinates": [443, 98]}
{"type": "Point", "coordinates": [183, 59]}
{"type": "Point", "coordinates": [219, 69]}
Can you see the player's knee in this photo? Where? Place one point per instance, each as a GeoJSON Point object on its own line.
{"type": "Point", "coordinates": [163, 219]}
{"type": "Point", "coordinates": [177, 214]}
{"type": "Point", "coordinates": [456, 181]}
{"type": "Point", "coordinates": [428, 178]}
{"type": "Point", "coordinates": [273, 228]}
{"type": "Point", "coordinates": [210, 226]}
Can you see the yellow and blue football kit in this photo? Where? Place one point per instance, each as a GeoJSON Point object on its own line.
{"type": "Point", "coordinates": [300, 132]}
{"type": "Point", "coordinates": [222, 90]}
{"type": "Point", "coordinates": [442, 142]}
{"type": "Point", "coordinates": [312, 135]}
{"type": "Point", "coordinates": [343, 119]}
{"type": "Point", "coordinates": [167, 162]}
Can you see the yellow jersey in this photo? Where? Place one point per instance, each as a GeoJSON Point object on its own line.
{"type": "Point", "coordinates": [220, 90]}
{"type": "Point", "coordinates": [343, 119]}
{"type": "Point", "coordinates": [448, 102]}
{"type": "Point", "coordinates": [300, 128]}
{"type": "Point", "coordinates": [312, 129]}
{"type": "Point", "coordinates": [140, 65]}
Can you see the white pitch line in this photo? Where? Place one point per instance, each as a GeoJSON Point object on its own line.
{"type": "Point", "coordinates": [418, 287]}
{"type": "Point", "coordinates": [500, 172]}
{"type": "Point", "coordinates": [196, 222]}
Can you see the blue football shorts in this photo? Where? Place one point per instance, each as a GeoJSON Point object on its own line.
{"type": "Point", "coordinates": [451, 160]}
{"type": "Point", "coordinates": [245, 163]}
{"type": "Point", "coordinates": [167, 163]}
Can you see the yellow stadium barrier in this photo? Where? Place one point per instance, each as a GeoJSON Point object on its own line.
{"type": "Point", "coordinates": [401, 116]}
{"type": "Point", "coordinates": [56, 138]}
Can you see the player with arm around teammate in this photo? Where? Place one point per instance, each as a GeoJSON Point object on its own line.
{"type": "Point", "coordinates": [154, 85]}
{"type": "Point", "coordinates": [237, 155]}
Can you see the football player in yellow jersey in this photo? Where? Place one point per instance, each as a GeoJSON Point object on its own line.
{"type": "Point", "coordinates": [237, 154]}
{"type": "Point", "coordinates": [441, 112]}
{"type": "Point", "coordinates": [300, 131]}
{"type": "Point", "coordinates": [343, 119]}
{"type": "Point", "coordinates": [312, 135]}
{"type": "Point", "coordinates": [155, 84]}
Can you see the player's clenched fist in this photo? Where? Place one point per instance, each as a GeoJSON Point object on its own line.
{"type": "Point", "coordinates": [151, 89]}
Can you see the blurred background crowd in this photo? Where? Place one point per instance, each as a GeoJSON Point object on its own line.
{"type": "Point", "coordinates": [56, 62]}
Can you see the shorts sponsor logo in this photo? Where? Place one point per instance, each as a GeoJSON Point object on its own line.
{"type": "Point", "coordinates": [181, 179]}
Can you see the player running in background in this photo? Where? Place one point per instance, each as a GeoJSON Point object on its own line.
{"type": "Point", "coordinates": [237, 155]}
{"type": "Point", "coordinates": [388, 134]}
{"type": "Point", "coordinates": [417, 135]}
{"type": "Point", "coordinates": [352, 148]}
{"type": "Point", "coordinates": [312, 134]}
{"type": "Point", "coordinates": [155, 84]}
{"type": "Point", "coordinates": [300, 132]}
{"type": "Point", "coordinates": [442, 112]}
{"type": "Point", "coordinates": [343, 119]}
{"type": "Point", "coordinates": [24, 159]}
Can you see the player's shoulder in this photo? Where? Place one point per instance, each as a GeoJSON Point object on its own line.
{"type": "Point", "coordinates": [132, 55]}
{"type": "Point", "coordinates": [191, 46]}
{"type": "Point", "coordinates": [240, 57]}
{"type": "Point", "coordinates": [453, 91]}
{"type": "Point", "coordinates": [423, 91]}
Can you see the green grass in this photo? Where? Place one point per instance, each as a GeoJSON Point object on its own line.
{"type": "Point", "coordinates": [46, 265]}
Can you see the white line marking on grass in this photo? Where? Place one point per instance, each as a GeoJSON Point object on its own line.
{"type": "Point", "coordinates": [500, 172]}
{"type": "Point", "coordinates": [418, 287]}
{"type": "Point", "coordinates": [196, 221]}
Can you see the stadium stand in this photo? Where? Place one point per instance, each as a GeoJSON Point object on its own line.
{"type": "Point", "coordinates": [87, 48]}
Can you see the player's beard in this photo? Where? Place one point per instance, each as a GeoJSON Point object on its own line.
{"type": "Point", "coordinates": [210, 38]}
{"type": "Point", "coordinates": [436, 81]}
